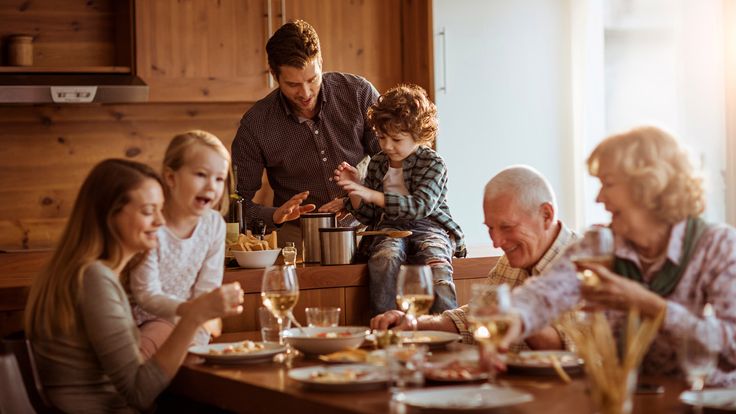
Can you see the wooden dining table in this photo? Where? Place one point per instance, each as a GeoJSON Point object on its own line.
{"type": "Point", "coordinates": [267, 388]}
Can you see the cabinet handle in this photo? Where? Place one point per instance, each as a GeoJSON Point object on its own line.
{"type": "Point", "coordinates": [443, 34]}
{"type": "Point", "coordinates": [269, 25]}
{"type": "Point", "coordinates": [283, 12]}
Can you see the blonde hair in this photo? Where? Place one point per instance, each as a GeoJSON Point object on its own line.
{"type": "Point", "coordinates": [405, 108]}
{"type": "Point", "coordinates": [89, 235]}
{"type": "Point", "coordinates": [179, 149]}
{"type": "Point", "coordinates": [657, 169]}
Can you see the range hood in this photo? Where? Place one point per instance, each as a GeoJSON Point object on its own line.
{"type": "Point", "coordinates": [72, 88]}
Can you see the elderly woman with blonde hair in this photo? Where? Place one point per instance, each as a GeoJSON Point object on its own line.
{"type": "Point", "coordinates": [666, 258]}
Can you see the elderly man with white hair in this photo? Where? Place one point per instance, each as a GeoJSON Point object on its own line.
{"type": "Point", "coordinates": [519, 208]}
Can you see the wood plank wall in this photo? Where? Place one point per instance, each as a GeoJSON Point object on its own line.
{"type": "Point", "coordinates": [47, 151]}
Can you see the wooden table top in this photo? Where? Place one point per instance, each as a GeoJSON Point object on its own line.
{"type": "Point", "coordinates": [266, 388]}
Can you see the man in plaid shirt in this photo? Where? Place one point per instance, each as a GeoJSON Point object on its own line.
{"type": "Point", "coordinates": [519, 207]}
{"type": "Point", "coordinates": [405, 188]}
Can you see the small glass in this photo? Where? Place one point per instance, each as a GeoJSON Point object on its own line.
{"type": "Point", "coordinates": [699, 351]}
{"type": "Point", "coordinates": [270, 325]}
{"type": "Point", "coordinates": [406, 366]}
{"type": "Point", "coordinates": [289, 252]}
{"type": "Point", "coordinates": [325, 316]}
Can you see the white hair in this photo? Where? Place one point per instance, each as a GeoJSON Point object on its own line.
{"type": "Point", "coordinates": [526, 184]}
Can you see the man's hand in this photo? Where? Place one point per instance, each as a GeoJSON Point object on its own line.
{"type": "Point", "coordinates": [390, 319]}
{"type": "Point", "coordinates": [336, 206]}
{"type": "Point", "coordinates": [615, 292]}
{"type": "Point", "coordinates": [292, 208]}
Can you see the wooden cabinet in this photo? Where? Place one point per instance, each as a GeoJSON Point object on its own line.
{"type": "Point", "coordinates": [200, 50]}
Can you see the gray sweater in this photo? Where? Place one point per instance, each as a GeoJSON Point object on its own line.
{"type": "Point", "coordinates": [99, 367]}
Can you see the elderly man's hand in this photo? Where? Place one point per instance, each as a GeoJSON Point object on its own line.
{"type": "Point", "coordinates": [292, 208]}
{"type": "Point", "coordinates": [616, 292]}
{"type": "Point", "coordinates": [390, 319]}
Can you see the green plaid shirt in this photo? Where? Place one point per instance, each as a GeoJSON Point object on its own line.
{"type": "Point", "coordinates": [425, 176]}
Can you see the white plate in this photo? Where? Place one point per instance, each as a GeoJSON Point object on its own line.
{"type": "Point", "coordinates": [431, 338]}
{"type": "Point", "coordinates": [318, 340]}
{"type": "Point", "coordinates": [479, 397]}
{"type": "Point", "coordinates": [542, 359]}
{"type": "Point", "coordinates": [264, 355]}
{"type": "Point", "coordinates": [718, 398]}
{"type": "Point", "coordinates": [373, 377]}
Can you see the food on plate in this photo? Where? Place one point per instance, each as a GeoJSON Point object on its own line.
{"type": "Point", "coordinates": [386, 338]}
{"type": "Point", "coordinates": [244, 347]}
{"type": "Point", "coordinates": [248, 242]}
{"type": "Point", "coordinates": [333, 334]}
{"type": "Point", "coordinates": [418, 339]}
{"type": "Point", "coordinates": [349, 355]}
{"type": "Point", "coordinates": [541, 358]}
{"type": "Point", "coordinates": [346, 375]}
{"type": "Point", "coordinates": [455, 371]}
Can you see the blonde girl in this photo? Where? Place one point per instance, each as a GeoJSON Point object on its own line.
{"type": "Point", "coordinates": [189, 259]}
{"type": "Point", "coordinates": [78, 318]}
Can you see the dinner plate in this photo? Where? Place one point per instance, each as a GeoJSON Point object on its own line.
{"type": "Point", "coordinates": [717, 398]}
{"type": "Point", "coordinates": [434, 339]}
{"type": "Point", "coordinates": [466, 398]}
{"type": "Point", "coordinates": [353, 377]}
{"type": "Point", "coordinates": [540, 362]}
{"type": "Point", "coordinates": [263, 355]}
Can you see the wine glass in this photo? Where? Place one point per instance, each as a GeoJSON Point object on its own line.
{"type": "Point", "coordinates": [279, 293]}
{"type": "Point", "coordinates": [699, 352]}
{"type": "Point", "coordinates": [414, 292]}
{"type": "Point", "coordinates": [490, 318]}
{"type": "Point", "coordinates": [596, 248]}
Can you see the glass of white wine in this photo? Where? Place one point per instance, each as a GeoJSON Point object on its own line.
{"type": "Point", "coordinates": [699, 352]}
{"type": "Point", "coordinates": [414, 292]}
{"type": "Point", "coordinates": [597, 248]}
{"type": "Point", "coordinates": [279, 293]}
{"type": "Point", "coordinates": [490, 318]}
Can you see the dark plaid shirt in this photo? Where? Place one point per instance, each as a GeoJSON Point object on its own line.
{"type": "Point", "coordinates": [425, 176]}
{"type": "Point", "coordinates": [299, 158]}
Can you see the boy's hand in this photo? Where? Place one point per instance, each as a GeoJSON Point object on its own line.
{"type": "Point", "coordinates": [346, 172]}
{"type": "Point", "coordinates": [366, 194]}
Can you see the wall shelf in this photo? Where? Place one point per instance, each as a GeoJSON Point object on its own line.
{"type": "Point", "coordinates": [65, 69]}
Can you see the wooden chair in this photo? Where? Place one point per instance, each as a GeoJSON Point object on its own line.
{"type": "Point", "coordinates": [16, 344]}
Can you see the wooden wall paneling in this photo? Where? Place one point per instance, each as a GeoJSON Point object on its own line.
{"type": "Point", "coordinates": [417, 46]}
{"type": "Point", "coordinates": [359, 37]}
{"type": "Point", "coordinates": [463, 290]}
{"type": "Point", "coordinates": [204, 52]}
{"type": "Point", "coordinates": [38, 186]}
{"type": "Point", "coordinates": [356, 308]}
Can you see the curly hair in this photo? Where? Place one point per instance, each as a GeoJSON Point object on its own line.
{"type": "Point", "coordinates": [293, 44]}
{"type": "Point", "coordinates": [405, 108]}
{"type": "Point", "coordinates": [657, 169]}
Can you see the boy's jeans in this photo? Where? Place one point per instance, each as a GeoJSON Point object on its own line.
{"type": "Point", "coordinates": [429, 244]}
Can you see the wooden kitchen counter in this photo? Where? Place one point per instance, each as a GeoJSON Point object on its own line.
{"type": "Point", "coordinates": [345, 286]}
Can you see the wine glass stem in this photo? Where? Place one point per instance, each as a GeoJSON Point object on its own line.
{"type": "Point", "coordinates": [490, 354]}
{"type": "Point", "coordinates": [280, 322]}
{"type": "Point", "coordinates": [414, 323]}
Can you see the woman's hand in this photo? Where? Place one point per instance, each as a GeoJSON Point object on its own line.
{"type": "Point", "coordinates": [616, 292]}
{"type": "Point", "coordinates": [224, 301]}
{"type": "Point", "coordinates": [292, 208]}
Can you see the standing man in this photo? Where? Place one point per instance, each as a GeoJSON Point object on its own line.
{"type": "Point", "coordinates": [301, 132]}
{"type": "Point", "coordinates": [520, 212]}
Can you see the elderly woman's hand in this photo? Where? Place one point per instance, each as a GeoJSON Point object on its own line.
{"type": "Point", "coordinates": [615, 292]}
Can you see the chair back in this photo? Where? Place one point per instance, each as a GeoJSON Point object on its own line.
{"type": "Point", "coordinates": [13, 396]}
{"type": "Point", "coordinates": [17, 345]}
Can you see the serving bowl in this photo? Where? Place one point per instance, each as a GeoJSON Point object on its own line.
{"type": "Point", "coordinates": [257, 258]}
{"type": "Point", "coordinates": [325, 340]}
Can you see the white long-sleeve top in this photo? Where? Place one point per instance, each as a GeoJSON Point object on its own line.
{"type": "Point", "coordinates": [179, 269]}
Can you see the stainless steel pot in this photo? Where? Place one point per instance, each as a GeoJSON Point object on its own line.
{"type": "Point", "coordinates": [310, 224]}
{"type": "Point", "coordinates": [337, 245]}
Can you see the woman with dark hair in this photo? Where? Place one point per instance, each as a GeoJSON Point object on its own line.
{"type": "Point", "coordinates": [78, 318]}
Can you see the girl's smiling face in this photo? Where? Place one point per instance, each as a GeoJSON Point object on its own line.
{"type": "Point", "coordinates": [200, 182]}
